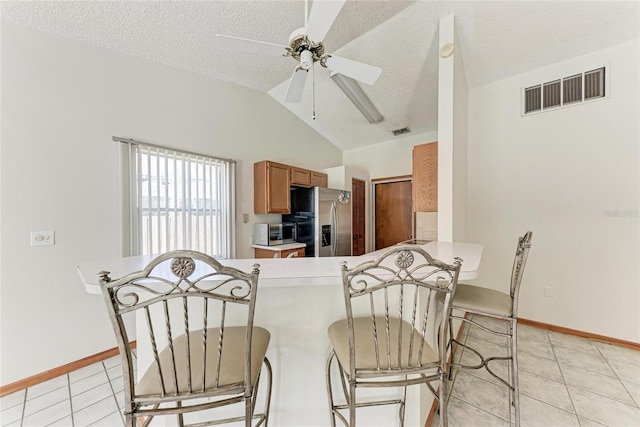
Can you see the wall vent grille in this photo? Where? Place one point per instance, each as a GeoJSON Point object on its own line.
{"type": "Point", "coordinates": [551, 94]}
{"type": "Point", "coordinates": [533, 99]}
{"type": "Point", "coordinates": [594, 84]}
{"type": "Point", "coordinates": [572, 89]}
{"type": "Point", "coordinates": [566, 91]}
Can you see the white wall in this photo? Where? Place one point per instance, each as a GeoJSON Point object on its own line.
{"type": "Point", "coordinates": [570, 176]}
{"type": "Point", "coordinates": [62, 101]}
{"type": "Point", "coordinates": [460, 145]}
{"type": "Point", "coordinates": [452, 141]}
{"type": "Point", "coordinates": [446, 87]}
{"type": "Point", "coordinates": [389, 158]}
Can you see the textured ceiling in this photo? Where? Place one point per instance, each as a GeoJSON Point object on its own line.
{"type": "Point", "coordinates": [497, 40]}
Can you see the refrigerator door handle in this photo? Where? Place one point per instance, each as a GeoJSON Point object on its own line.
{"type": "Point", "coordinates": [334, 229]}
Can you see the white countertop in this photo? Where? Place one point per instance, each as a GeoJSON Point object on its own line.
{"type": "Point", "coordinates": [278, 248]}
{"type": "Point", "coordinates": [283, 272]}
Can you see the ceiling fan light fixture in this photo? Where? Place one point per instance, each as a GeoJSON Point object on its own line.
{"type": "Point", "coordinates": [354, 92]}
{"type": "Point", "coordinates": [306, 59]}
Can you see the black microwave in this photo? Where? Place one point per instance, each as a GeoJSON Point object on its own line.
{"type": "Point", "coordinates": [274, 234]}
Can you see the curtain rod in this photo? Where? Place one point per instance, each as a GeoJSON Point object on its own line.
{"type": "Point", "coordinates": [133, 141]}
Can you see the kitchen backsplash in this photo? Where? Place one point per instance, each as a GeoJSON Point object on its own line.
{"type": "Point", "coordinates": [427, 225]}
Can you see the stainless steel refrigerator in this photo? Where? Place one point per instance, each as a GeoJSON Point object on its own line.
{"type": "Point", "coordinates": [323, 218]}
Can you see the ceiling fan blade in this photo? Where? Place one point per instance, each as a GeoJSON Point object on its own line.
{"type": "Point", "coordinates": [296, 85]}
{"type": "Point", "coordinates": [248, 45]}
{"type": "Point", "coordinates": [323, 13]}
{"type": "Point", "coordinates": [360, 71]}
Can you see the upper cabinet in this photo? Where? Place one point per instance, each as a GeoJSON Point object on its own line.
{"type": "Point", "coordinates": [319, 179]}
{"type": "Point", "coordinates": [306, 178]}
{"type": "Point", "coordinates": [271, 184]}
{"type": "Point", "coordinates": [300, 177]}
{"type": "Point", "coordinates": [425, 177]}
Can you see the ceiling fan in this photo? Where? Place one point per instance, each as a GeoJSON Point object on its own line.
{"type": "Point", "coordinates": [306, 47]}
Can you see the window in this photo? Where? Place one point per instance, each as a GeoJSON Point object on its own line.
{"type": "Point", "coordinates": [174, 199]}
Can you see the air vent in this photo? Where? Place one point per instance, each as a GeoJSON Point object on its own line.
{"type": "Point", "coordinates": [551, 94]}
{"type": "Point", "coordinates": [532, 96]}
{"type": "Point", "coordinates": [572, 89]}
{"type": "Point", "coordinates": [566, 91]}
{"type": "Point", "coordinates": [594, 84]}
{"type": "Point", "coordinates": [401, 131]}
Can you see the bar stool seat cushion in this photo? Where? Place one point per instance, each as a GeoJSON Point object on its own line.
{"type": "Point", "coordinates": [365, 352]}
{"type": "Point", "coordinates": [478, 299]}
{"type": "Point", "coordinates": [231, 368]}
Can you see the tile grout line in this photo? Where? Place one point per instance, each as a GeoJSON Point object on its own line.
{"type": "Point", "coordinates": [606, 359]}
{"type": "Point", "coordinates": [70, 400]}
{"type": "Point", "coordinates": [24, 405]}
{"type": "Point", "coordinates": [564, 382]}
{"type": "Point", "coordinates": [113, 392]}
{"type": "Point", "coordinates": [589, 391]}
{"type": "Point", "coordinates": [469, 372]}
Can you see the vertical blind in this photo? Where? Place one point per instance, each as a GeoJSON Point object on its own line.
{"type": "Point", "coordinates": [179, 200]}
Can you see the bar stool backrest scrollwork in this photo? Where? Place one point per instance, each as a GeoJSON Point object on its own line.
{"type": "Point", "coordinates": [393, 335]}
{"type": "Point", "coordinates": [195, 337]}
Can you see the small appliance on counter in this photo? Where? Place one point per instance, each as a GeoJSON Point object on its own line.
{"type": "Point", "coordinates": [274, 234]}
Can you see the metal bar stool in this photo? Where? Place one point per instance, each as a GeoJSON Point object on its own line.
{"type": "Point", "coordinates": [383, 341]}
{"type": "Point", "coordinates": [498, 305]}
{"type": "Point", "coordinates": [206, 351]}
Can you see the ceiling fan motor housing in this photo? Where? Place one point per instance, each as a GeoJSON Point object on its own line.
{"type": "Point", "coordinates": [299, 43]}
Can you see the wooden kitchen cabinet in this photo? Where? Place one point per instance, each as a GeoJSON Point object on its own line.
{"type": "Point", "coordinates": [319, 179]}
{"type": "Point", "coordinates": [425, 177]}
{"type": "Point", "coordinates": [300, 177]}
{"type": "Point", "coordinates": [307, 178]}
{"type": "Point", "coordinates": [271, 188]}
{"type": "Point", "coordinates": [272, 183]}
{"type": "Point", "coordinates": [287, 253]}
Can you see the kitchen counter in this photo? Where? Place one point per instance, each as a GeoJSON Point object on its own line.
{"type": "Point", "coordinates": [280, 248]}
{"type": "Point", "coordinates": [296, 302]}
{"type": "Point", "coordinates": [278, 272]}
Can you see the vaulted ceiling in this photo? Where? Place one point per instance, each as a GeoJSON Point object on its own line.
{"type": "Point", "coordinates": [497, 39]}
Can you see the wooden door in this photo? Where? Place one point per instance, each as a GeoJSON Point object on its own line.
{"type": "Point", "coordinates": [392, 213]}
{"type": "Point", "coordinates": [358, 216]}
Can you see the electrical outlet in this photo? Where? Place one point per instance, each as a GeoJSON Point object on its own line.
{"type": "Point", "coordinates": [548, 291]}
{"type": "Point", "coordinates": [42, 238]}
{"type": "Point", "coordinates": [245, 218]}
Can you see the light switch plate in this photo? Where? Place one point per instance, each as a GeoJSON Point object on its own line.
{"type": "Point", "coordinates": [42, 238]}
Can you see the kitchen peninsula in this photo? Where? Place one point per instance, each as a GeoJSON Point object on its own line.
{"type": "Point", "coordinates": [298, 299]}
{"type": "Point", "coordinates": [287, 250]}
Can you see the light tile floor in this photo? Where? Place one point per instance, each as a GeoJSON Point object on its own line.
{"type": "Point", "coordinates": [564, 381]}
{"type": "Point", "coordinates": [90, 396]}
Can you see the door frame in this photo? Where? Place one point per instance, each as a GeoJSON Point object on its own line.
{"type": "Point", "coordinates": [372, 200]}
{"type": "Point", "coordinates": [365, 206]}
